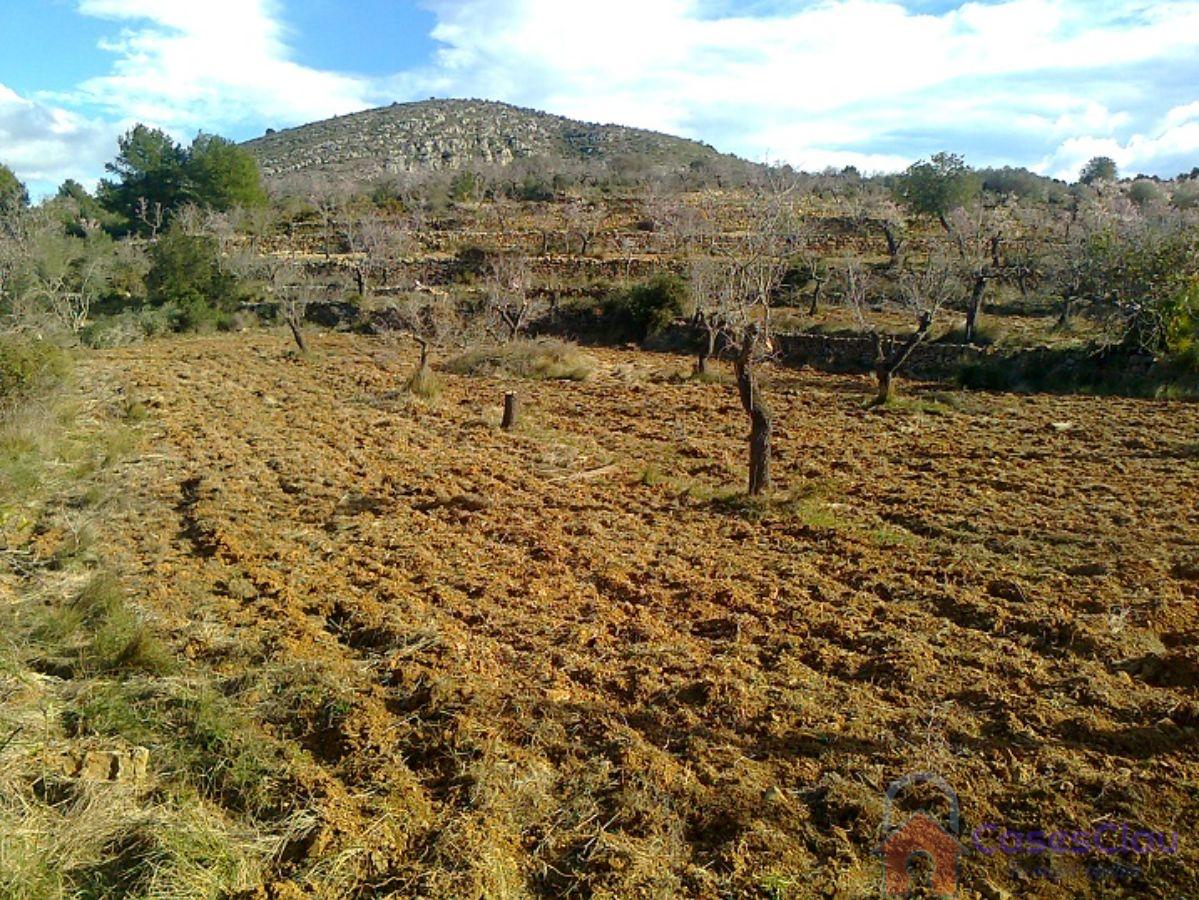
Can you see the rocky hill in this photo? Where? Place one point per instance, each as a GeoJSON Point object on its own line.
{"type": "Point", "coordinates": [457, 134]}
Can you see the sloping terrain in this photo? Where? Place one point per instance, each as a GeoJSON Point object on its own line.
{"type": "Point", "coordinates": [502, 668]}
{"type": "Point", "coordinates": [453, 134]}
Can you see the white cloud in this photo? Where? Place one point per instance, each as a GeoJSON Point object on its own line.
{"type": "Point", "coordinates": [214, 64]}
{"type": "Point", "coordinates": [46, 145]}
{"type": "Point", "coordinates": [873, 83]}
{"type": "Point", "coordinates": [1172, 147]}
{"type": "Point", "coordinates": [820, 82]}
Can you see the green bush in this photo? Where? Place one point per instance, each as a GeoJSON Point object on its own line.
{"type": "Point", "coordinates": [1181, 314]}
{"type": "Point", "coordinates": [466, 186]}
{"type": "Point", "coordinates": [647, 308]}
{"type": "Point", "coordinates": [535, 190]}
{"type": "Point", "coordinates": [1146, 192]}
{"type": "Point", "coordinates": [26, 363]}
{"type": "Point", "coordinates": [186, 275]}
{"type": "Point", "coordinates": [1186, 195]}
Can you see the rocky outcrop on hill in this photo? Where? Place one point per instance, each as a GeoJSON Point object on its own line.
{"type": "Point", "coordinates": [437, 135]}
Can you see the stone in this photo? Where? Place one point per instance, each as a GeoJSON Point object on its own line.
{"type": "Point", "coordinates": [107, 765]}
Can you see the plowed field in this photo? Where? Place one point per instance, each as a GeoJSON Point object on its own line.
{"type": "Point", "coordinates": [571, 660]}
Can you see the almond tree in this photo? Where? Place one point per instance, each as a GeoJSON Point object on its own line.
{"type": "Point", "coordinates": [755, 349]}
{"type": "Point", "coordinates": [869, 210]}
{"type": "Point", "coordinates": [583, 221]}
{"type": "Point", "coordinates": [748, 278]}
{"type": "Point", "coordinates": [379, 244]}
{"type": "Point", "coordinates": [978, 233]}
{"type": "Point", "coordinates": [508, 294]}
{"type": "Point", "coordinates": [712, 308]}
{"type": "Point", "coordinates": [294, 300]}
{"type": "Point", "coordinates": [924, 292]}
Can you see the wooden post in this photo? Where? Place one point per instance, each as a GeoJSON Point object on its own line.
{"type": "Point", "coordinates": [511, 411]}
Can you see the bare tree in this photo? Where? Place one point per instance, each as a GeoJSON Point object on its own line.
{"type": "Point", "coordinates": [713, 307]}
{"type": "Point", "coordinates": [870, 212]}
{"type": "Point", "coordinates": [978, 234]}
{"type": "Point", "coordinates": [583, 221]}
{"type": "Point", "coordinates": [69, 296]}
{"type": "Point", "coordinates": [151, 215]}
{"type": "Point", "coordinates": [329, 197]}
{"type": "Point", "coordinates": [295, 304]}
{"type": "Point", "coordinates": [508, 293]}
{"type": "Point", "coordinates": [385, 242]}
{"type": "Point", "coordinates": [294, 298]}
{"type": "Point", "coordinates": [749, 277]}
{"type": "Point", "coordinates": [924, 292]}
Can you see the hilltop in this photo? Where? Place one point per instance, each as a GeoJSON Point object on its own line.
{"type": "Point", "coordinates": [434, 135]}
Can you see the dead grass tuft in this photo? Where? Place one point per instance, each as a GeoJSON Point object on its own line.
{"type": "Point", "coordinates": [541, 359]}
{"type": "Point", "coordinates": [424, 384]}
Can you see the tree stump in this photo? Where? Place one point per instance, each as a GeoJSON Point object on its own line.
{"type": "Point", "coordinates": [511, 411]}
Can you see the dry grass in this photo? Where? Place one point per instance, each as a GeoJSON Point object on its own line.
{"type": "Point", "coordinates": [424, 384]}
{"type": "Point", "coordinates": [100, 840]}
{"type": "Point", "coordinates": [81, 670]}
{"type": "Point", "coordinates": [541, 359]}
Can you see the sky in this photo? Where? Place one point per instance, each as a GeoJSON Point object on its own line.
{"type": "Point", "coordinates": [878, 84]}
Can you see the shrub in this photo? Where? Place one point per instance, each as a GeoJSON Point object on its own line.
{"type": "Point", "coordinates": [1186, 195]}
{"type": "Point", "coordinates": [985, 334]}
{"type": "Point", "coordinates": [115, 640]}
{"type": "Point", "coordinates": [1145, 192]}
{"type": "Point", "coordinates": [547, 359]}
{"type": "Point", "coordinates": [647, 308]}
{"type": "Point", "coordinates": [1181, 314]}
{"type": "Point", "coordinates": [535, 190]}
{"type": "Point", "coordinates": [424, 383]}
{"type": "Point", "coordinates": [466, 186]}
{"type": "Point", "coordinates": [26, 363]}
{"type": "Point", "coordinates": [186, 272]}
{"type": "Point", "coordinates": [471, 262]}
{"type": "Point", "coordinates": [131, 326]}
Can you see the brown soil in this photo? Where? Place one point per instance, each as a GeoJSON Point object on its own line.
{"type": "Point", "coordinates": [636, 683]}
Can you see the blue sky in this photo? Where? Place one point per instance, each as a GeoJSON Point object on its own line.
{"type": "Point", "coordinates": [874, 83]}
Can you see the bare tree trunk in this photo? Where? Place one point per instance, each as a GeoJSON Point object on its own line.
{"type": "Point", "coordinates": [707, 349]}
{"type": "Point", "coordinates": [975, 306]}
{"type": "Point", "coordinates": [815, 307]}
{"type": "Point", "coordinates": [1067, 309]}
{"type": "Point", "coordinates": [884, 376]}
{"type": "Point", "coordinates": [887, 364]}
{"type": "Point", "coordinates": [511, 411]}
{"type": "Point", "coordinates": [894, 245]}
{"type": "Point", "coordinates": [761, 423]}
{"type": "Point", "coordinates": [297, 333]}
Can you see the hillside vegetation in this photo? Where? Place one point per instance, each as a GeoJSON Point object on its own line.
{"type": "Point", "coordinates": [436, 135]}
